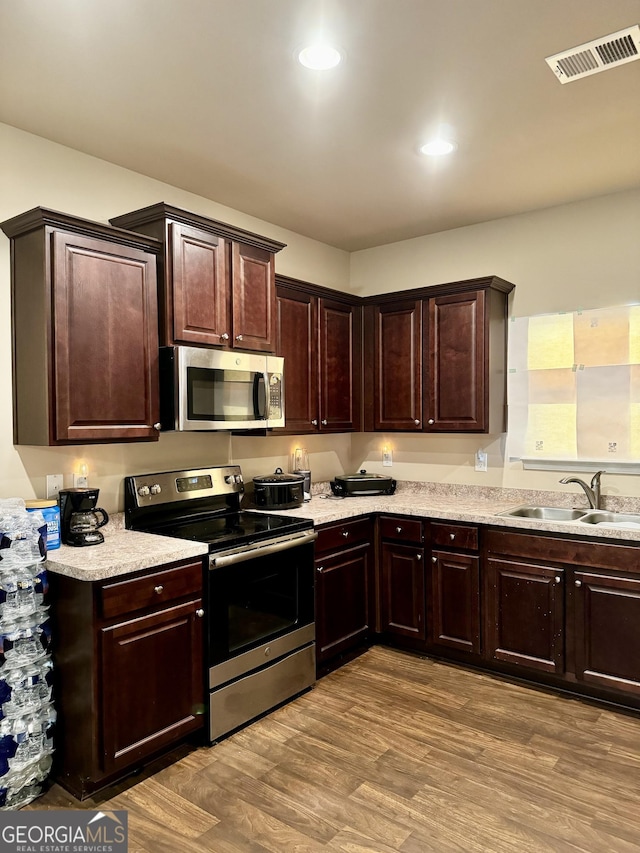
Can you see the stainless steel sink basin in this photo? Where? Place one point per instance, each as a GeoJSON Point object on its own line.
{"type": "Point", "coordinates": [612, 519]}
{"type": "Point", "coordinates": [546, 513]}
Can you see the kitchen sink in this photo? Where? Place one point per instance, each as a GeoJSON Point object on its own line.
{"type": "Point", "coordinates": [546, 513]}
{"type": "Point", "coordinates": [613, 519]}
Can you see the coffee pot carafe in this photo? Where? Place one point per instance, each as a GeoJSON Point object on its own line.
{"type": "Point", "coordinates": [80, 518]}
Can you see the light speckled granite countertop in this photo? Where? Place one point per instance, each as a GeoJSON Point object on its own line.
{"type": "Point", "coordinates": [125, 551]}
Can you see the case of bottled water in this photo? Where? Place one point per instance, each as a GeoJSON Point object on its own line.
{"type": "Point", "coordinates": [27, 714]}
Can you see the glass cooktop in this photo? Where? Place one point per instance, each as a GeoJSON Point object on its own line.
{"type": "Point", "coordinates": [236, 528]}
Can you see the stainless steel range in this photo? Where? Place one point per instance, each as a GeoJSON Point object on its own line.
{"type": "Point", "coordinates": [259, 587]}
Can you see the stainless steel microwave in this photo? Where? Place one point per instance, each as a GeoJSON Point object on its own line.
{"type": "Point", "coordinates": [207, 389]}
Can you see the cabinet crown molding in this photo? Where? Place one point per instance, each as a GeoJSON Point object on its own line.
{"type": "Point", "coordinates": [39, 217]}
{"type": "Point", "coordinates": [161, 210]}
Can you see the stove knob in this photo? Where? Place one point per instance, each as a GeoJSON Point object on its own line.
{"type": "Point", "coordinates": [156, 489]}
{"type": "Point", "coordinates": [143, 491]}
{"type": "Point", "coordinates": [230, 479]}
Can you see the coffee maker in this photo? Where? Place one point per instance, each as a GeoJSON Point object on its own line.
{"type": "Point", "coordinates": [80, 518]}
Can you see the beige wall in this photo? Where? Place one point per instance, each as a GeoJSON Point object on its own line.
{"type": "Point", "coordinates": [581, 255]}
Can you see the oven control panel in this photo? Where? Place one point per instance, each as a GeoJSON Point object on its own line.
{"type": "Point", "coordinates": [169, 486]}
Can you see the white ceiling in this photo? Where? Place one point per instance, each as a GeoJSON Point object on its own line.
{"type": "Point", "coordinates": [205, 95]}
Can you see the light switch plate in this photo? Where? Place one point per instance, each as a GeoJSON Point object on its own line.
{"type": "Point", "coordinates": [54, 485]}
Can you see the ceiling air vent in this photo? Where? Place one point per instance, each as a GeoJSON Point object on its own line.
{"type": "Point", "coordinates": [596, 55]}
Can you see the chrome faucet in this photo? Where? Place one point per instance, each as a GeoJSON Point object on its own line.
{"type": "Point", "coordinates": [592, 492]}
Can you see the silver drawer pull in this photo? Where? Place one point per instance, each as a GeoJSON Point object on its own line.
{"type": "Point", "coordinates": [398, 530]}
{"type": "Point", "coordinates": [434, 559]}
{"type": "Point", "coordinates": [200, 613]}
{"type": "Point", "coordinates": [558, 579]}
{"type": "Point", "coordinates": [345, 533]}
{"type": "Point", "coordinates": [452, 536]}
{"type": "Point", "coordinates": [418, 556]}
{"type": "Point", "coordinates": [158, 589]}
{"type": "Point", "coordinates": [578, 583]}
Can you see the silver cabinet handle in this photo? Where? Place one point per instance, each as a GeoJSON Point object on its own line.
{"type": "Point", "coordinates": [558, 579]}
{"type": "Point", "coordinates": [239, 337]}
{"type": "Point", "coordinates": [434, 559]}
{"type": "Point", "coordinates": [398, 530]}
{"type": "Point", "coordinates": [200, 613]}
{"type": "Point", "coordinates": [320, 569]}
{"type": "Point", "coordinates": [417, 423]}
{"type": "Point", "coordinates": [452, 536]}
{"type": "Point", "coordinates": [224, 337]}
{"type": "Point", "coordinates": [578, 583]}
{"type": "Point", "coordinates": [418, 556]}
{"type": "Point", "coordinates": [314, 422]}
{"type": "Point", "coordinates": [157, 427]}
{"type": "Point", "coordinates": [345, 533]}
{"type": "Point", "coordinates": [158, 588]}
{"type": "Point", "coordinates": [324, 422]}
{"type": "Point", "coordinates": [431, 421]}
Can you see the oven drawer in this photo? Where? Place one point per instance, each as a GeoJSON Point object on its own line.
{"type": "Point", "coordinates": [125, 596]}
{"type": "Point", "coordinates": [346, 534]}
{"type": "Point", "coordinates": [243, 700]}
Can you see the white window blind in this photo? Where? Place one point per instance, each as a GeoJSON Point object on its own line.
{"type": "Point", "coordinates": [574, 386]}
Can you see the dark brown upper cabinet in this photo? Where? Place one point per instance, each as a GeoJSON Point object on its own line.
{"type": "Point", "coordinates": [217, 282]}
{"type": "Point", "coordinates": [438, 357]}
{"type": "Point", "coordinates": [319, 334]}
{"type": "Point", "coordinates": [85, 331]}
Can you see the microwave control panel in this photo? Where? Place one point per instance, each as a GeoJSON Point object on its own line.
{"type": "Point", "coordinates": [275, 396]}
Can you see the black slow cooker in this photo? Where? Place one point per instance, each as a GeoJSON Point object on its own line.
{"type": "Point", "coordinates": [278, 490]}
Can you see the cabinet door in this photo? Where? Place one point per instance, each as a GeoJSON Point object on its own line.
{"type": "Point", "coordinates": [456, 380]}
{"type": "Point", "coordinates": [340, 374]}
{"type": "Point", "coordinates": [607, 631]}
{"type": "Point", "coordinates": [254, 299]}
{"type": "Point", "coordinates": [397, 331]}
{"type": "Point", "coordinates": [297, 344]}
{"type": "Point", "coordinates": [200, 289]}
{"type": "Point", "coordinates": [152, 683]}
{"type": "Point", "coordinates": [525, 614]}
{"type": "Point", "coordinates": [343, 601]}
{"type": "Point", "coordinates": [402, 606]}
{"type": "Point", "coordinates": [105, 382]}
{"type": "Point", "coordinates": [455, 601]}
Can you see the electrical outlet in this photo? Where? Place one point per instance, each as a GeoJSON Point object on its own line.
{"type": "Point", "coordinates": [387, 458]}
{"type": "Point", "coordinates": [481, 460]}
{"type": "Point", "coordinates": [54, 485]}
{"type": "Point", "coordinates": [80, 481]}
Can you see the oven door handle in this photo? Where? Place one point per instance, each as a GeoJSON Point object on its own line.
{"type": "Point", "coordinates": [219, 561]}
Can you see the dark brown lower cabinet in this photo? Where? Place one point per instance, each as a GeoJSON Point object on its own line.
{"type": "Point", "coordinates": [524, 615]}
{"type": "Point", "coordinates": [151, 694]}
{"type": "Point", "coordinates": [607, 630]}
{"type": "Point", "coordinates": [455, 601]}
{"type": "Point", "coordinates": [403, 601]}
{"type": "Point", "coordinates": [345, 596]}
{"type": "Point", "coordinates": [129, 671]}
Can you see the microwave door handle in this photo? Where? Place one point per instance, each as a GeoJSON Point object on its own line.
{"type": "Point", "coordinates": [259, 382]}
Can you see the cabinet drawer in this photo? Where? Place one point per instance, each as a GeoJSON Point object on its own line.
{"type": "Point", "coordinates": [454, 536]}
{"type": "Point", "coordinates": [126, 596]}
{"type": "Point", "coordinates": [336, 537]}
{"type": "Point", "coordinates": [401, 529]}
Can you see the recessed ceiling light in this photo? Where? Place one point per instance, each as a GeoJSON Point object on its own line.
{"type": "Point", "coordinates": [319, 57]}
{"type": "Point", "coordinates": [438, 147]}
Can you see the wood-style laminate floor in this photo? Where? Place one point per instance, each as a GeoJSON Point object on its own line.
{"type": "Point", "coordinates": [397, 753]}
